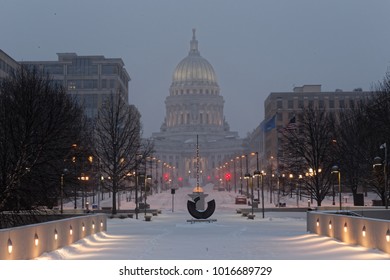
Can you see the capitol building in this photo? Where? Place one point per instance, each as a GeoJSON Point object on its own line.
{"type": "Point", "coordinates": [194, 109]}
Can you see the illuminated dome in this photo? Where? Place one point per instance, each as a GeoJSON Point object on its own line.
{"type": "Point", "coordinates": [194, 72]}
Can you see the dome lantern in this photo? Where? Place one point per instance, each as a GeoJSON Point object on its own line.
{"type": "Point", "coordinates": [194, 44]}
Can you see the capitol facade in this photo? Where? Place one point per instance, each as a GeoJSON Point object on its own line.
{"type": "Point", "coordinates": [194, 110]}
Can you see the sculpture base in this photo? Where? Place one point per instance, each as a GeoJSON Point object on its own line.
{"type": "Point", "coordinates": [193, 221]}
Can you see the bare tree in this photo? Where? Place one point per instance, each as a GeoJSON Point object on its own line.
{"type": "Point", "coordinates": [38, 124]}
{"type": "Point", "coordinates": [378, 117]}
{"type": "Point", "coordinates": [354, 146]}
{"type": "Point", "coordinates": [118, 142]}
{"type": "Point", "coordinates": [308, 148]}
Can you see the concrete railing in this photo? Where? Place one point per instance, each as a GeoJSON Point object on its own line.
{"type": "Point", "coordinates": [354, 230]}
{"type": "Point", "coordinates": [28, 242]}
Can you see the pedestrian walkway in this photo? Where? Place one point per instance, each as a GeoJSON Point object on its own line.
{"type": "Point", "coordinates": [280, 236]}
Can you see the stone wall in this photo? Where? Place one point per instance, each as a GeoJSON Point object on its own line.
{"type": "Point", "coordinates": [363, 231]}
{"type": "Point", "coordinates": [31, 241]}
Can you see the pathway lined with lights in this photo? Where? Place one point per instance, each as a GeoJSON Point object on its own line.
{"type": "Point", "coordinates": [279, 236]}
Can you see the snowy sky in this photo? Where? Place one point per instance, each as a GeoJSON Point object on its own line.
{"type": "Point", "coordinates": [256, 47]}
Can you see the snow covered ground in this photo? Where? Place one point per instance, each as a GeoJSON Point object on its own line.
{"type": "Point", "coordinates": [279, 236]}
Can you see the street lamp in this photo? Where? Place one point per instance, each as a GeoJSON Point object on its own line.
{"type": "Point", "coordinates": [261, 174]}
{"type": "Point", "coordinates": [241, 175]}
{"type": "Point", "coordinates": [62, 189]}
{"type": "Point", "coordinates": [235, 175]}
{"type": "Point", "coordinates": [336, 169]}
{"type": "Point", "coordinates": [247, 175]}
{"type": "Point", "coordinates": [256, 173]}
{"type": "Point", "coordinates": [147, 177]}
{"type": "Point", "coordinates": [378, 162]}
{"type": "Point", "coordinates": [252, 197]}
{"type": "Point", "coordinates": [83, 179]}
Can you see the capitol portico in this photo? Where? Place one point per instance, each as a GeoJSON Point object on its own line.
{"type": "Point", "coordinates": [195, 107]}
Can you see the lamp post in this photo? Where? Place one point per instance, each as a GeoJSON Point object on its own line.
{"type": "Point", "coordinates": [336, 169]}
{"type": "Point", "coordinates": [84, 180]}
{"type": "Point", "coordinates": [299, 189]}
{"type": "Point", "coordinates": [262, 192]}
{"type": "Point", "coordinates": [252, 196]}
{"type": "Point", "coordinates": [62, 189]}
{"type": "Point", "coordinates": [247, 175]}
{"type": "Point", "coordinates": [147, 177]}
{"type": "Point", "coordinates": [378, 162]}
{"type": "Point", "coordinates": [257, 174]}
{"type": "Point", "coordinates": [136, 173]}
{"type": "Point", "coordinates": [241, 175]}
{"type": "Point", "coordinates": [235, 175]}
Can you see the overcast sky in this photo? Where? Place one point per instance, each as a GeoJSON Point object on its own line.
{"type": "Point", "coordinates": [256, 47]}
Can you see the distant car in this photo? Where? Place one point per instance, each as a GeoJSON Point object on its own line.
{"type": "Point", "coordinates": [141, 205]}
{"type": "Point", "coordinates": [240, 199]}
{"type": "Point", "coordinates": [221, 189]}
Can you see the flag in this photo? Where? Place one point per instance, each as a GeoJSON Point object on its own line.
{"type": "Point", "coordinates": [292, 124]}
{"type": "Point", "coordinates": [270, 124]}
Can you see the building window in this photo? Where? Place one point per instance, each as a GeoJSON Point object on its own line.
{"type": "Point", "coordinates": [109, 69]}
{"type": "Point", "coordinates": [300, 104]}
{"type": "Point", "coordinates": [279, 104]}
{"type": "Point", "coordinates": [90, 84]}
{"type": "Point", "coordinates": [74, 84]}
{"type": "Point", "coordinates": [279, 117]}
{"type": "Point", "coordinates": [290, 104]}
{"type": "Point", "coordinates": [82, 66]}
{"type": "Point", "coordinates": [57, 69]}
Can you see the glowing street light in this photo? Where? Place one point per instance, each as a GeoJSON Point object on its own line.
{"type": "Point", "coordinates": [336, 169]}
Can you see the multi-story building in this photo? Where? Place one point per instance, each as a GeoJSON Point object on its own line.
{"type": "Point", "coordinates": [90, 79]}
{"type": "Point", "coordinates": [281, 107]}
{"type": "Point", "coordinates": [7, 65]}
